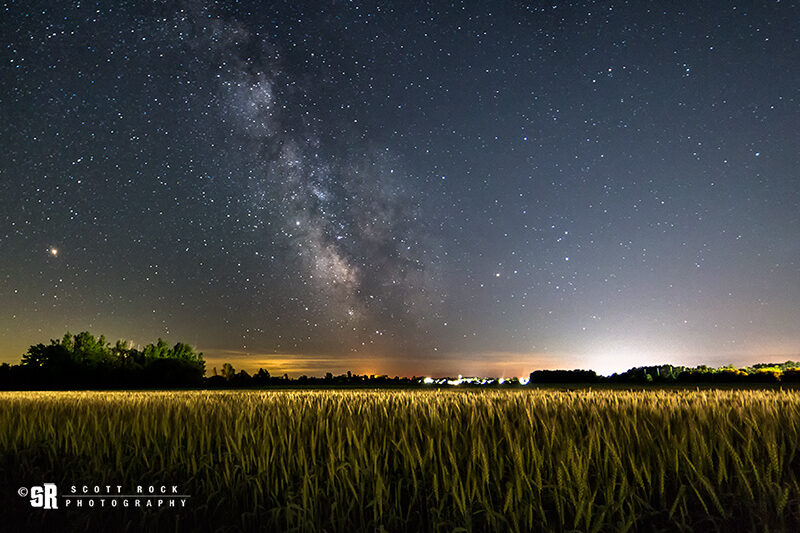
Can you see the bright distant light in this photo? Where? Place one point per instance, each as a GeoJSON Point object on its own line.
{"type": "Point", "coordinates": [427, 381]}
{"type": "Point", "coordinates": [622, 358]}
{"type": "Point", "coordinates": [54, 252]}
{"type": "Point", "coordinates": [524, 381]}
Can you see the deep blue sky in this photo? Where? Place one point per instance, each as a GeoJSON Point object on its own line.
{"type": "Point", "coordinates": [452, 187]}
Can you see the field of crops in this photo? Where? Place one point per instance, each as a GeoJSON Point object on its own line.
{"type": "Point", "coordinates": [412, 460]}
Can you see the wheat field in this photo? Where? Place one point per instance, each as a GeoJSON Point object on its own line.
{"type": "Point", "coordinates": [437, 460]}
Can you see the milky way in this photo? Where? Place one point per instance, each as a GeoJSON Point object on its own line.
{"type": "Point", "coordinates": [343, 219]}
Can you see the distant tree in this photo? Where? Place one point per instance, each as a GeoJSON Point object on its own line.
{"type": "Point", "coordinates": [156, 351]}
{"type": "Point", "coordinates": [228, 371]}
{"type": "Point", "coordinates": [120, 352]}
{"type": "Point", "coordinates": [38, 356]}
{"type": "Point", "coordinates": [185, 352]}
{"type": "Point", "coordinates": [261, 377]}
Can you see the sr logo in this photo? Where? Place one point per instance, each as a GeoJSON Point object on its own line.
{"type": "Point", "coordinates": [44, 497]}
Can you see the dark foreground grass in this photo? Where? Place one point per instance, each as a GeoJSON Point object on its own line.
{"type": "Point", "coordinates": [608, 460]}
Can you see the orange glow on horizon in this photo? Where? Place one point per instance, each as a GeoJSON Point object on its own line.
{"type": "Point", "coordinates": [506, 365]}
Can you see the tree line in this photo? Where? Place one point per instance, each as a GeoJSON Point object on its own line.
{"type": "Point", "coordinates": [84, 361]}
{"type": "Point", "coordinates": [788, 372]}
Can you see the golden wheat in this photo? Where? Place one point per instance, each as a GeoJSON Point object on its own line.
{"type": "Point", "coordinates": [421, 460]}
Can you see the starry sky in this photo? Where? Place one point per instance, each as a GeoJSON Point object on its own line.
{"type": "Point", "coordinates": [403, 187]}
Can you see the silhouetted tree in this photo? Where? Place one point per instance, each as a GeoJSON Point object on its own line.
{"type": "Point", "coordinates": [82, 360]}
{"type": "Point", "coordinates": [228, 371]}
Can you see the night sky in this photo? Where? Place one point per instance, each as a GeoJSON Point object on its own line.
{"type": "Point", "coordinates": [390, 187]}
